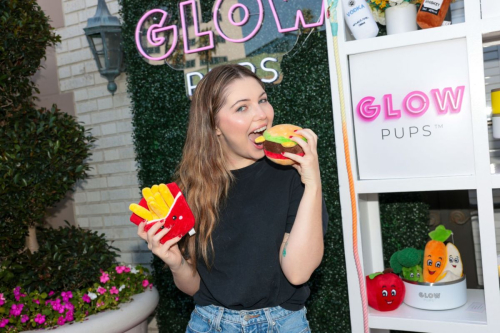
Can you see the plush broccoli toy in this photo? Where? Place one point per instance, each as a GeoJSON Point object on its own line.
{"type": "Point", "coordinates": [408, 262]}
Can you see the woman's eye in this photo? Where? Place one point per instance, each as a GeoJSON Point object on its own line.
{"type": "Point", "coordinates": [438, 264]}
{"type": "Point", "coordinates": [264, 100]}
{"type": "Point", "coordinates": [241, 108]}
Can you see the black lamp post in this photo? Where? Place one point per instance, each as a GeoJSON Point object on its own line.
{"type": "Point", "coordinates": [104, 35]}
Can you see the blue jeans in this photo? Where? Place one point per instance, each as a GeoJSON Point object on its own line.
{"type": "Point", "coordinates": [214, 319]}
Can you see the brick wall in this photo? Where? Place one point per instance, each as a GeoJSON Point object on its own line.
{"type": "Point", "coordinates": [101, 202]}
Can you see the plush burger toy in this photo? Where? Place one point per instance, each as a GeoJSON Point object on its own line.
{"type": "Point", "coordinates": [277, 141]}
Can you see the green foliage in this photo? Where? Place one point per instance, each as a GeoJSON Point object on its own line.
{"type": "Point", "coordinates": [69, 258]}
{"type": "Point", "coordinates": [43, 156]}
{"type": "Point", "coordinates": [303, 98]}
{"type": "Point", "coordinates": [47, 309]}
{"type": "Point", "coordinates": [404, 220]}
{"type": "Point", "coordinates": [26, 34]}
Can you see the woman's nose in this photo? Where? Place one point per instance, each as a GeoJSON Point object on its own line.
{"type": "Point", "coordinates": [260, 113]}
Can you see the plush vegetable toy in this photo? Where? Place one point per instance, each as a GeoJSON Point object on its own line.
{"type": "Point", "coordinates": [386, 291]}
{"type": "Point", "coordinates": [435, 254]}
{"type": "Point", "coordinates": [408, 262]}
{"type": "Point", "coordinates": [454, 267]}
{"type": "Point", "coordinates": [164, 203]}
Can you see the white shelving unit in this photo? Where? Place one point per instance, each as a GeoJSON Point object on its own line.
{"type": "Point", "coordinates": [482, 311]}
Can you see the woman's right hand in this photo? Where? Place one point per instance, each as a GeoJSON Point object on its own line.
{"type": "Point", "coordinates": [168, 252]}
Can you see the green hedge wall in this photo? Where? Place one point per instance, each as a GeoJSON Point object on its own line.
{"type": "Point", "coordinates": [160, 113]}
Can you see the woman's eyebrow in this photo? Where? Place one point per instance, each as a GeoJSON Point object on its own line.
{"type": "Point", "coordinates": [245, 100]}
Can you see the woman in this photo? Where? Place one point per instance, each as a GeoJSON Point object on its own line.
{"type": "Point", "coordinates": [246, 267]}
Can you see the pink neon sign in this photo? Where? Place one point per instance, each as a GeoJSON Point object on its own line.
{"type": "Point", "coordinates": [154, 30]}
{"type": "Point", "coordinates": [414, 104]}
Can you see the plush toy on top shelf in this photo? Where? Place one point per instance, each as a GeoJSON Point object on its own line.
{"type": "Point", "coordinates": [408, 262]}
{"type": "Point", "coordinates": [442, 263]}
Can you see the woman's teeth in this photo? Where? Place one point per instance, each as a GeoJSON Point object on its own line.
{"type": "Point", "coordinates": [258, 130]}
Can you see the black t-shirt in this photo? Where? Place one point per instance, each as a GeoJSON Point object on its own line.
{"type": "Point", "coordinates": [246, 272]}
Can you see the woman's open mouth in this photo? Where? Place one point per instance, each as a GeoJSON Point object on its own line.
{"type": "Point", "coordinates": [255, 134]}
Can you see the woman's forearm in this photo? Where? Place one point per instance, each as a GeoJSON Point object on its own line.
{"type": "Point", "coordinates": [184, 279]}
{"type": "Point", "coordinates": [302, 252]}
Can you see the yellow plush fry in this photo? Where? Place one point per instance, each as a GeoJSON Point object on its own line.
{"type": "Point", "coordinates": [157, 209]}
{"type": "Point", "coordinates": [141, 211]}
{"type": "Point", "coordinates": [146, 193]}
{"type": "Point", "coordinates": [260, 139]}
{"type": "Point", "coordinates": [154, 189]}
{"type": "Point", "coordinates": [159, 200]}
{"type": "Point", "coordinates": [166, 195]}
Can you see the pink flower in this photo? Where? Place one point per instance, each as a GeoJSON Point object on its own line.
{"type": "Point", "coordinates": [66, 296]}
{"type": "Point", "coordinates": [61, 321]}
{"type": "Point", "coordinates": [70, 307]}
{"type": "Point", "coordinates": [69, 316]}
{"type": "Point", "coordinates": [104, 277]}
{"type": "Point", "coordinates": [120, 269]}
{"type": "Point", "coordinates": [2, 300]}
{"type": "Point", "coordinates": [99, 304]}
{"type": "Point", "coordinates": [150, 286]}
{"type": "Point", "coordinates": [101, 290]}
{"type": "Point", "coordinates": [145, 283]}
{"type": "Point", "coordinates": [116, 299]}
{"type": "Point", "coordinates": [51, 293]}
{"type": "Point", "coordinates": [4, 322]}
{"type": "Point", "coordinates": [113, 290]}
{"type": "Point", "coordinates": [36, 301]}
{"type": "Point", "coordinates": [86, 298]}
{"type": "Point", "coordinates": [127, 269]}
{"type": "Point", "coordinates": [24, 318]}
{"type": "Point", "coordinates": [39, 319]}
{"type": "Point", "coordinates": [15, 310]}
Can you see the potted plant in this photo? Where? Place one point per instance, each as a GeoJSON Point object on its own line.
{"type": "Point", "coordinates": [397, 15]}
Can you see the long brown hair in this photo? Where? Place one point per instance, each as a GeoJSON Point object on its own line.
{"type": "Point", "coordinates": [203, 174]}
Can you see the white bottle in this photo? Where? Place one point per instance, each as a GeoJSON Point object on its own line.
{"type": "Point", "coordinates": [359, 19]}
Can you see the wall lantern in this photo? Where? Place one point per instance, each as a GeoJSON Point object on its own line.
{"type": "Point", "coordinates": [104, 35]}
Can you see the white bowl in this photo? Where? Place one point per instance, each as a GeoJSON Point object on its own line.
{"type": "Point", "coordinates": [436, 296]}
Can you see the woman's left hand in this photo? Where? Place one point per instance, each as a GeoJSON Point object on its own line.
{"type": "Point", "coordinates": [307, 165]}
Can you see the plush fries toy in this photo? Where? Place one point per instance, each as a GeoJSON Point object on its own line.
{"type": "Point", "coordinates": [164, 203]}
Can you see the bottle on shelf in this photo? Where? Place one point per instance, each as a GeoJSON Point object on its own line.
{"type": "Point", "coordinates": [495, 116]}
{"type": "Point", "coordinates": [432, 13]}
{"type": "Point", "coordinates": [359, 19]}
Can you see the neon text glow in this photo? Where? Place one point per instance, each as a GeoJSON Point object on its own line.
{"type": "Point", "coordinates": [414, 104]}
{"type": "Point", "coordinates": [155, 29]}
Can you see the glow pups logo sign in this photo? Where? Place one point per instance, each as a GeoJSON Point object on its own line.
{"type": "Point", "coordinates": [412, 116]}
{"type": "Point", "coordinates": [238, 32]}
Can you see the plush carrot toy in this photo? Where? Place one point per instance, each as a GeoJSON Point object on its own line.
{"type": "Point", "coordinates": [435, 254]}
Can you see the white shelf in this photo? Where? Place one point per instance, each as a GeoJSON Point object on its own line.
{"type": "Point", "coordinates": [416, 184]}
{"type": "Point", "coordinates": [490, 25]}
{"type": "Point", "coordinates": [461, 320]}
{"type": "Point", "coordinates": [406, 39]}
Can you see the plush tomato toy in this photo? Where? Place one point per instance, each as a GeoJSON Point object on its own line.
{"type": "Point", "coordinates": [386, 291]}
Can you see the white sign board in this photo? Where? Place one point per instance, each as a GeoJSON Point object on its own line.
{"type": "Point", "coordinates": [411, 111]}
